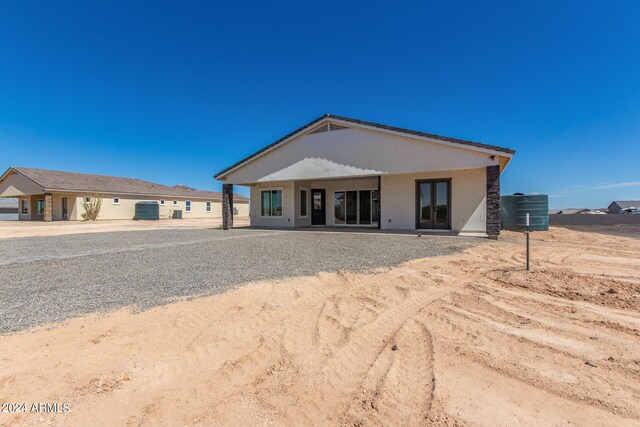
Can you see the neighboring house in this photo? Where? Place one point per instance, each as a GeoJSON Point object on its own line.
{"type": "Point", "coordinates": [616, 206]}
{"type": "Point", "coordinates": [46, 195]}
{"type": "Point", "coordinates": [337, 171]}
{"type": "Point", "coordinates": [8, 209]}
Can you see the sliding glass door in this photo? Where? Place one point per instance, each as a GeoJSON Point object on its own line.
{"type": "Point", "coordinates": [356, 207]}
{"type": "Point", "coordinates": [352, 207]}
{"type": "Point", "coordinates": [365, 207]}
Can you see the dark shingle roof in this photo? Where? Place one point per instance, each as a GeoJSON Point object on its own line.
{"type": "Point", "coordinates": [51, 180]}
{"type": "Point", "coordinates": [365, 123]}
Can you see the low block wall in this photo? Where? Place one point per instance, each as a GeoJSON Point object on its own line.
{"type": "Point", "coordinates": [586, 219]}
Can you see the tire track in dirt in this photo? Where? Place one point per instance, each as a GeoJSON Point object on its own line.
{"type": "Point", "coordinates": [467, 324]}
{"type": "Point", "coordinates": [350, 366]}
{"type": "Point", "coordinates": [398, 387]}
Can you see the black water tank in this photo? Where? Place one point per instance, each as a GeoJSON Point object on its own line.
{"type": "Point", "coordinates": [149, 211]}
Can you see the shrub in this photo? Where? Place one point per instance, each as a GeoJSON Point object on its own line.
{"type": "Point", "coordinates": [91, 204]}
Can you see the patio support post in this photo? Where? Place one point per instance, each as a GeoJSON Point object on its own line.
{"type": "Point", "coordinates": [227, 206]}
{"type": "Point", "coordinates": [493, 201]}
{"type": "Point", "coordinates": [48, 207]}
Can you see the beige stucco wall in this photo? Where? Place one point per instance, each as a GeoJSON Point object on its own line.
{"type": "Point", "coordinates": [17, 185]}
{"type": "Point", "coordinates": [31, 214]}
{"type": "Point", "coordinates": [291, 194]}
{"type": "Point", "coordinates": [126, 208]}
{"type": "Point", "coordinates": [21, 215]}
{"type": "Point", "coordinates": [72, 206]}
{"type": "Point", "coordinates": [356, 152]}
{"type": "Point", "coordinates": [302, 221]}
{"type": "Point", "coordinates": [288, 215]}
{"type": "Point", "coordinates": [468, 199]}
{"type": "Point", "coordinates": [397, 195]}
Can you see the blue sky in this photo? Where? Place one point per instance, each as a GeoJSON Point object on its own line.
{"type": "Point", "coordinates": [173, 92]}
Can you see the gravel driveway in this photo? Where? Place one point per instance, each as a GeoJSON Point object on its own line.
{"type": "Point", "coordinates": [49, 279]}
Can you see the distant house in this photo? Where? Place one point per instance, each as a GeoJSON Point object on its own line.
{"type": "Point", "coordinates": [616, 206]}
{"type": "Point", "coordinates": [571, 211]}
{"type": "Point", "coordinates": [46, 195]}
{"type": "Point", "coordinates": [8, 206]}
{"type": "Point", "coordinates": [8, 209]}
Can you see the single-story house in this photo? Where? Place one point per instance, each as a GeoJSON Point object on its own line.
{"type": "Point", "coordinates": [46, 195]}
{"type": "Point", "coordinates": [617, 205]}
{"type": "Point", "coordinates": [343, 172]}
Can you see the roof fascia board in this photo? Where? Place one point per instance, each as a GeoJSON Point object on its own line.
{"type": "Point", "coordinates": [509, 158]}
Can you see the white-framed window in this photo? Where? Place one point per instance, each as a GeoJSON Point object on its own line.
{"type": "Point", "coordinates": [175, 203]}
{"type": "Point", "coordinates": [25, 206]}
{"type": "Point", "coordinates": [271, 202]}
{"type": "Point", "coordinates": [161, 202]}
{"type": "Point", "coordinates": [87, 199]}
{"type": "Point", "coordinates": [208, 206]}
{"type": "Point", "coordinates": [304, 203]}
{"type": "Point", "coordinates": [116, 200]}
{"type": "Point", "coordinates": [187, 206]}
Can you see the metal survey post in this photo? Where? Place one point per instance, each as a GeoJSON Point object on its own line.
{"type": "Point", "coordinates": [527, 234]}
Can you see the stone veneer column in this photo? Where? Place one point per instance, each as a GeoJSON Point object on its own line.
{"type": "Point", "coordinates": [48, 207]}
{"type": "Point", "coordinates": [493, 201]}
{"type": "Point", "coordinates": [227, 206]}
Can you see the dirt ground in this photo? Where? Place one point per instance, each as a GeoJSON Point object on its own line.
{"type": "Point", "coordinates": [467, 339]}
{"type": "Point", "coordinates": [14, 229]}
